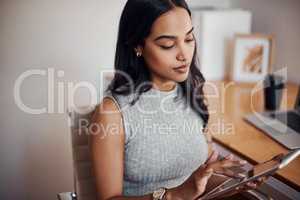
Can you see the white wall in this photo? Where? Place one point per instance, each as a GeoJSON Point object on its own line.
{"type": "Point", "coordinates": [208, 3]}
{"type": "Point", "coordinates": [281, 18]}
{"type": "Point", "coordinates": [75, 36]}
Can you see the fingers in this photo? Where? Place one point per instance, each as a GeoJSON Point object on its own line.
{"type": "Point", "coordinates": [247, 186]}
{"type": "Point", "coordinates": [218, 165]}
{"type": "Point", "coordinates": [228, 172]}
{"type": "Point", "coordinates": [232, 174]}
{"type": "Point", "coordinates": [229, 157]}
{"type": "Point", "coordinates": [208, 172]}
{"type": "Point", "coordinates": [232, 163]}
{"type": "Point", "coordinates": [251, 186]}
{"type": "Point", "coordinates": [213, 157]}
{"type": "Point", "coordinates": [202, 178]}
{"type": "Point", "coordinates": [204, 171]}
{"type": "Point", "coordinates": [261, 180]}
{"type": "Point", "coordinates": [225, 166]}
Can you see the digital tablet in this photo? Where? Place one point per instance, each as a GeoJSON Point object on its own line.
{"type": "Point", "coordinates": [267, 168]}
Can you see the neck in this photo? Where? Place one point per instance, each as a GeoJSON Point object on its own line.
{"type": "Point", "coordinates": [163, 85]}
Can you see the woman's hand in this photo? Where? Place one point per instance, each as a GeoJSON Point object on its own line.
{"type": "Point", "coordinates": [253, 184]}
{"type": "Point", "coordinates": [195, 185]}
{"type": "Point", "coordinates": [221, 168]}
{"type": "Point", "coordinates": [248, 186]}
{"type": "Point", "coordinates": [224, 166]}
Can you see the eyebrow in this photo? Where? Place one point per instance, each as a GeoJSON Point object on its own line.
{"type": "Point", "coordinates": [171, 36]}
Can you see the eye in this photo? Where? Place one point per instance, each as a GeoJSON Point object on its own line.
{"type": "Point", "coordinates": [190, 39]}
{"type": "Point", "coordinates": [167, 47]}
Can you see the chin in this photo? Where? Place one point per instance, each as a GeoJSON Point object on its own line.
{"type": "Point", "coordinates": [180, 78]}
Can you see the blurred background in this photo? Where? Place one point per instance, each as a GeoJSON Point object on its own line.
{"type": "Point", "coordinates": [76, 40]}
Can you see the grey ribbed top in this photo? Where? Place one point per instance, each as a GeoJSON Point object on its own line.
{"type": "Point", "coordinates": [164, 143]}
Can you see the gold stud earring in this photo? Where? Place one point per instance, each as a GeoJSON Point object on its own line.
{"type": "Point", "coordinates": [138, 53]}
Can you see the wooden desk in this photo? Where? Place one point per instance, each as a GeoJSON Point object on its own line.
{"type": "Point", "coordinates": [229, 102]}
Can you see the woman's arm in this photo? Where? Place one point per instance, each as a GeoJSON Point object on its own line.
{"type": "Point", "coordinates": [107, 149]}
{"type": "Point", "coordinates": [107, 153]}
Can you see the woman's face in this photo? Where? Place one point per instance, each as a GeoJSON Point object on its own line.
{"type": "Point", "coordinates": [170, 45]}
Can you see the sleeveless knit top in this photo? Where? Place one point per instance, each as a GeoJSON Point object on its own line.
{"type": "Point", "coordinates": [164, 143]}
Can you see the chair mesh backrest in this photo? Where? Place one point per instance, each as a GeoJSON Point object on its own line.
{"type": "Point", "coordinates": [84, 181]}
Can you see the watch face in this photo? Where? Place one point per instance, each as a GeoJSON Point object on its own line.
{"type": "Point", "coordinates": [159, 193]}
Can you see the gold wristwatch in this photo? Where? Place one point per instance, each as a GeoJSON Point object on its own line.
{"type": "Point", "coordinates": [159, 194]}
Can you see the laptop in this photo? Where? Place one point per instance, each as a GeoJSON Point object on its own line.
{"type": "Point", "coordinates": [282, 126]}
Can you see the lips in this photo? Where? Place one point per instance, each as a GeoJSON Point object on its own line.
{"type": "Point", "coordinates": [181, 67]}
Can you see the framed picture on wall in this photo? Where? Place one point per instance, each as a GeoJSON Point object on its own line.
{"type": "Point", "coordinates": [252, 57]}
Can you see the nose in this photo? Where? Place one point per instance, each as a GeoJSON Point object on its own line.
{"type": "Point", "coordinates": [181, 58]}
{"type": "Point", "coordinates": [182, 54]}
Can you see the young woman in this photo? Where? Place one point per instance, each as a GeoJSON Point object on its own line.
{"type": "Point", "coordinates": [151, 143]}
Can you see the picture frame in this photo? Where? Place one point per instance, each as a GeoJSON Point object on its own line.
{"type": "Point", "coordinates": [252, 57]}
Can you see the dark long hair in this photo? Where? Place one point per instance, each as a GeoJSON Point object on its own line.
{"type": "Point", "coordinates": [135, 25]}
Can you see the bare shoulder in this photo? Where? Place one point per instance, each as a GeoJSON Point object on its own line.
{"type": "Point", "coordinates": [106, 119]}
{"type": "Point", "coordinates": [105, 110]}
